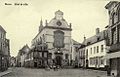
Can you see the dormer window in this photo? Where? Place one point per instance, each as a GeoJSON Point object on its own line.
{"type": "Point", "coordinates": [98, 38]}
{"type": "Point", "coordinates": [88, 43]}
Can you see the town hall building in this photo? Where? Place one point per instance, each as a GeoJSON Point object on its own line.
{"type": "Point", "coordinates": [57, 35]}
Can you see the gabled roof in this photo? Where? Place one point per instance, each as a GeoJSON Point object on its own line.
{"type": "Point", "coordinates": [24, 49]}
{"type": "Point", "coordinates": [58, 19]}
{"type": "Point", "coordinates": [1, 28]}
{"type": "Point", "coordinates": [75, 42]}
{"type": "Point", "coordinates": [95, 38]}
{"type": "Point", "coordinates": [110, 4]}
{"type": "Point", "coordinates": [53, 22]}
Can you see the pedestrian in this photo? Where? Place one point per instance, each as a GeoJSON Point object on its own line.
{"type": "Point", "coordinates": [47, 68]}
{"type": "Point", "coordinates": [54, 66]}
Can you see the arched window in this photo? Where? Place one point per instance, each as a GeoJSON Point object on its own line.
{"type": "Point", "coordinates": [113, 18]}
{"type": "Point", "coordinates": [58, 39]}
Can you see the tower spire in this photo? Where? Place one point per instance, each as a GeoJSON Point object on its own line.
{"type": "Point", "coordinates": [41, 22]}
{"type": "Point", "coordinates": [41, 25]}
{"type": "Point", "coordinates": [84, 37]}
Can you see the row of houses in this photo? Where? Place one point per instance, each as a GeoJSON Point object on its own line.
{"type": "Point", "coordinates": [103, 49]}
{"type": "Point", "coordinates": [37, 57]}
{"type": "Point", "coordinates": [32, 57]}
{"type": "Point", "coordinates": [4, 50]}
{"type": "Point", "coordinates": [92, 51]}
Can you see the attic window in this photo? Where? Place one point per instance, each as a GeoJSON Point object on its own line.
{"type": "Point", "coordinates": [88, 43]}
{"type": "Point", "coordinates": [98, 38]}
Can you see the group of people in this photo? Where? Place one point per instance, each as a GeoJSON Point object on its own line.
{"type": "Point", "coordinates": [54, 67]}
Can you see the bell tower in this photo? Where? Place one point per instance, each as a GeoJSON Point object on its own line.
{"type": "Point", "coordinates": [41, 25]}
{"type": "Point", "coordinates": [59, 15]}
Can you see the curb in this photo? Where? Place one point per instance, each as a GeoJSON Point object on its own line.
{"type": "Point", "coordinates": [5, 73]}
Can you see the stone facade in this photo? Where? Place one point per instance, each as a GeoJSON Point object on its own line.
{"type": "Point", "coordinates": [113, 8]}
{"type": "Point", "coordinates": [93, 52]}
{"type": "Point", "coordinates": [37, 57]}
{"type": "Point", "coordinates": [12, 61]}
{"type": "Point", "coordinates": [82, 56]}
{"type": "Point", "coordinates": [74, 55]}
{"type": "Point", "coordinates": [4, 50]}
{"type": "Point", "coordinates": [22, 54]}
{"type": "Point", "coordinates": [57, 35]}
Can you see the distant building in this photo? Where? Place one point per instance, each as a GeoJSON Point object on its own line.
{"type": "Point", "coordinates": [22, 54]}
{"type": "Point", "coordinates": [37, 57]}
{"type": "Point", "coordinates": [114, 37]}
{"type": "Point", "coordinates": [74, 49]}
{"type": "Point", "coordinates": [74, 52]}
{"type": "Point", "coordinates": [95, 50]}
{"type": "Point", "coordinates": [18, 59]}
{"type": "Point", "coordinates": [12, 61]}
{"type": "Point", "coordinates": [81, 56]}
{"type": "Point", "coordinates": [57, 35]}
{"type": "Point", "coordinates": [4, 50]}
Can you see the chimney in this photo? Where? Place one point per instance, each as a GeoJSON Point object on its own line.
{"type": "Point", "coordinates": [46, 23]}
{"type": "Point", "coordinates": [70, 25]}
{"type": "Point", "coordinates": [84, 37]}
{"type": "Point", "coordinates": [97, 31]}
{"type": "Point", "coordinates": [41, 22]}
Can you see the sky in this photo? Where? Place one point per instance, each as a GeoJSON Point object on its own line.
{"type": "Point", "coordinates": [22, 22]}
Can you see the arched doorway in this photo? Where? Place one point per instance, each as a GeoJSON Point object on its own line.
{"type": "Point", "coordinates": [58, 60]}
{"type": "Point", "coordinates": [35, 64]}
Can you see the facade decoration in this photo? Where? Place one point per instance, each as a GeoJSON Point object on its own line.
{"type": "Point", "coordinates": [93, 51]}
{"type": "Point", "coordinates": [57, 35]}
{"type": "Point", "coordinates": [4, 50]}
{"type": "Point", "coordinates": [113, 8]}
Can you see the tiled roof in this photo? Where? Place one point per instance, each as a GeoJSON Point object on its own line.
{"type": "Point", "coordinates": [110, 4]}
{"type": "Point", "coordinates": [95, 38]}
{"type": "Point", "coordinates": [75, 42]}
{"type": "Point", "coordinates": [23, 49]}
{"type": "Point", "coordinates": [1, 28]}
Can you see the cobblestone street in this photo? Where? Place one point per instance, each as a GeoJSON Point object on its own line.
{"type": "Point", "coordinates": [27, 72]}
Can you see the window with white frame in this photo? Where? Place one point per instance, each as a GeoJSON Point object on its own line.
{"type": "Point", "coordinates": [91, 50]}
{"type": "Point", "coordinates": [45, 54]}
{"type": "Point", "coordinates": [97, 49]}
{"type": "Point", "coordinates": [94, 49]}
{"type": "Point", "coordinates": [40, 54]}
{"type": "Point", "coordinates": [102, 48]}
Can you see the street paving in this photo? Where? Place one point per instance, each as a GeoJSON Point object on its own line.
{"type": "Point", "coordinates": [28, 72]}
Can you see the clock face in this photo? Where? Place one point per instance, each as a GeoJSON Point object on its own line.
{"type": "Point", "coordinates": [59, 23]}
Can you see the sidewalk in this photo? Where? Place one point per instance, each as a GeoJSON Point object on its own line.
{"type": "Point", "coordinates": [6, 72]}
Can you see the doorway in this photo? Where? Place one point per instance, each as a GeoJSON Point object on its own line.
{"type": "Point", "coordinates": [35, 64]}
{"type": "Point", "coordinates": [58, 60]}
